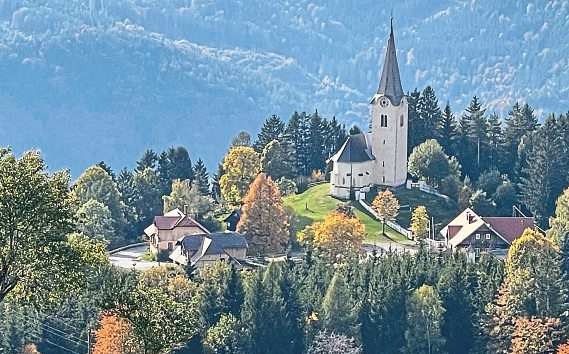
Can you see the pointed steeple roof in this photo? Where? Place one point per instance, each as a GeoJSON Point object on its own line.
{"type": "Point", "coordinates": [390, 83]}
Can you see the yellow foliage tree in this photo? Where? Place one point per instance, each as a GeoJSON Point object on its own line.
{"type": "Point", "coordinates": [338, 234]}
{"type": "Point", "coordinates": [386, 206]}
{"type": "Point", "coordinates": [241, 165]}
{"type": "Point", "coordinates": [114, 336]}
{"type": "Point", "coordinates": [264, 220]}
{"type": "Point", "coordinates": [420, 223]}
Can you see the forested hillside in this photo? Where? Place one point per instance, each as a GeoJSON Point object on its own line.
{"type": "Point", "coordinates": [103, 80]}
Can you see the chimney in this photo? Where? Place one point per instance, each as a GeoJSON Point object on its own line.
{"type": "Point", "coordinates": [185, 209]}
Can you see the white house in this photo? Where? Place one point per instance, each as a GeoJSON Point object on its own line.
{"type": "Point", "coordinates": [378, 157]}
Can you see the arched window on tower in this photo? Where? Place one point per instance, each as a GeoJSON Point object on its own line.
{"type": "Point", "coordinates": [401, 120]}
{"type": "Point", "coordinates": [383, 121]}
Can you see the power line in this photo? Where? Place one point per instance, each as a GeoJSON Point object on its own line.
{"type": "Point", "coordinates": [38, 336]}
{"type": "Point", "coordinates": [64, 336]}
{"type": "Point", "coordinates": [56, 329]}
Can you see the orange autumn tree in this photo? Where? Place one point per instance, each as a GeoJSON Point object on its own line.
{"type": "Point", "coordinates": [338, 234]}
{"type": "Point", "coordinates": [264, 220]}
{"type": "Point", "coordinates": [535, 335]}
{"type": "Point", "coordinates": [114, 336]}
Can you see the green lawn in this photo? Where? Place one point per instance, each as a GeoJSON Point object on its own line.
{"type": "Point", "coordinates": [442, 210]}
{"type": "Point", "coordinates": [313, 205]}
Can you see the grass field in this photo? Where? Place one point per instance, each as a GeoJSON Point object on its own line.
{"type": "Point", "coordinates": [443, 211]}
{"type": "Point", "coordinates": [313, 205]}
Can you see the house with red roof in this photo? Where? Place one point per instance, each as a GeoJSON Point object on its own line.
{"type": "Point", "coordinates": [167, 229]}
{"type": "Point", "coordinates": [478, 234]}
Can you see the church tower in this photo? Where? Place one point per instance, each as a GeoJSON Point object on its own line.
{"type": "Point", "coordinates": [390, 122]}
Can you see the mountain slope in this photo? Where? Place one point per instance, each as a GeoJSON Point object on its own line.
{"type": "Point", "coordinates": [87, 80]}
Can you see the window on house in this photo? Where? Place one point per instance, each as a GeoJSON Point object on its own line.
{"type": "Point", "coordinates": [170, 246]}
{"type": "Point", "coordinates": [383, 141]}
{"type": "Point", "coordinates": [383, 163]}
{"type": "Point", "coordinates": [477, 252]}
{"type": "Point", "coordinates": [487, 236]}
{"type": "Point", "coordinates": [401, 120]}
{"type": "Point", "coordinates": [383, 121]}
{"type": "Point", "coordinates": [360, 174]}
{"type": "Point", "coordinates": [478, 236]}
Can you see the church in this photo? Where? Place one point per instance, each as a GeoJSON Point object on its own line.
{"type": "Point", "coordinates": [380, 156]}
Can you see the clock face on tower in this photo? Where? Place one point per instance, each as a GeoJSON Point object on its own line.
{"type": "Point", "coordinates": [384, 102]}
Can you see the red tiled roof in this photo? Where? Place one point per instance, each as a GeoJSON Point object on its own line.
{"type": "Point", "coordinates": [510, 227]}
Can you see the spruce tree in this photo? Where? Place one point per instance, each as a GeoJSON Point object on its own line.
{"type": "Point", "coordinates": [275, 161]}
{"type": "Point", "coordinates": [272, 129]}
{"type": "Point", "coordinates": [447, 131]}
{"type": "Point", "coordinates": [201, 178]}
{"type": "Point", "coordinates": [297, 138]}
{"type": "Point", "coordinates": [520, 122]}
{"type": "Point", "coordinates": [337, 314]}
{"type": "Point", "coordinates": [316, 144]}
{"type": "Point", "coordinates": [542, 181]}
{"type": "Point", "coordinates": [415, 123]}
{"type": "Point", "coordinates": [429, 113]}
{"type": "Point", "coordinates": [495, 141]}
{"type": "Point", "coordinates": [148, 160]}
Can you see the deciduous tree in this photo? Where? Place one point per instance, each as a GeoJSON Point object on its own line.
{"type": "Point", "coordinates": [386, 206]}
{"type": "Point", "coordinates": [420, 223]}
{"type": "Point", "coordinates": [339, 234]}
{"type": "Point", "coordinates": [424, 320]}
{"type": "Point", "coordinates": [114, 336]}
{"type": "Point", "coordinates": [264, 220]}
{"type": "Point", "coordinates": [240, 167]}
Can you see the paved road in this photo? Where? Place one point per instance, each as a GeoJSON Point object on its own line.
{"type": "Point", "coordinates": [131, 259]}
{"type": "Point", "coordinates": [387, 245]}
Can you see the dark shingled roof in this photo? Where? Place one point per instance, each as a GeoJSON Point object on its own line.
{"type": "Point", "coordinates": [355, 149]}
{"type": "Point", "coordinates": [390, 83]}
{"type": "Point", "coordinates": [219, 242]}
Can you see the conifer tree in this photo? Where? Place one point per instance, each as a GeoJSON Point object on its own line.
{"type": "Point", "coordinates": [519, 122]}
{"type": "Point", "coordinates": [447, 131]}
{"type": "Point", "coordinates": [477, 133]}
{"type": "Point", "coordinates": [495, 141]}
{"type": "Point", "coordinates": [273, 129]}
{"type": "Point", "coordinates": [242, 138]}
{"type": "Point", "coordinates": [337, 314]}
{"type": "Point", "coordinates": [174, 163]}
{"type": "Point", "coordinates": [415, 123]}
{"type": "Point", "coordinates": [429, 113]}
{"type": "Point", "coordinates": [542, 181]}
{"type": "Point", "coordinates": [148, 160]}
{"type": "Point", "coordinates": [201, 178]}
{"type": "Point", "coordinates": [334, 137]}
{"type": "Point", "coordinates": [316, 159]}
{"type": "Point", "coordinates": [297, 138]}
{"type": "Point", "coordinates": [263, 219]}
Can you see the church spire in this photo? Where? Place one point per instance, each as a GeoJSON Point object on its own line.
{"type": "Point", "coordinates": [390, 82]}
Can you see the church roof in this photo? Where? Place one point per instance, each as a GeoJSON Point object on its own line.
{"type": "Point", "coordinates": [355, 149]}
{"type": "Point", "coordinates": [390, 82]}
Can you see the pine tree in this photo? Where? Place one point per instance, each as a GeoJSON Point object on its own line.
{"type": "Point", "coordinates": [335, 136]}
{"type": "Point", "coordinates": [447, 132]}
{"type": "Point", "coordinates": [263, 219]}
{"type": "Point", "coordinates": [174, 163]}
{"type": "Point", "coordinates": [429, 113]}
{"type": "Point", "coordinates": [107, 168]}
{"type": "Point", "coordinates": [201, 178]}
{"type": "Point", "coordinates": [272, 129]}
{"type": "Point", "coordinates": [242, 138]}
